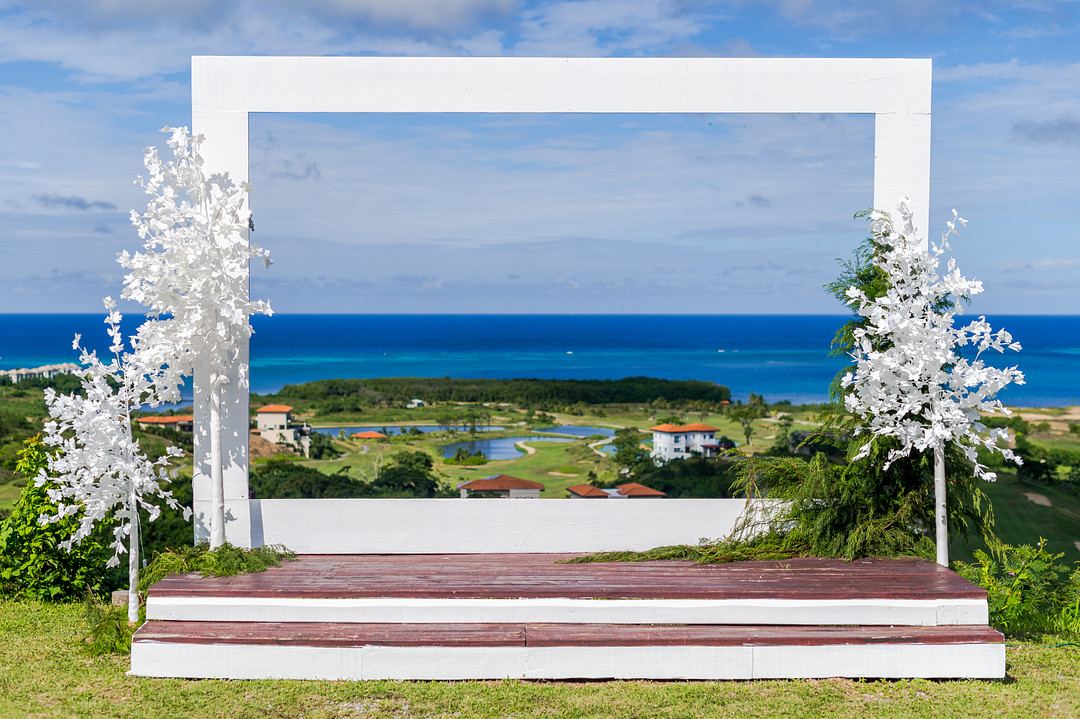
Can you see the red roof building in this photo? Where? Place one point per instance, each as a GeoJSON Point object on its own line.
{"type": "Point", "coordinates": [368, 435]}
{"type": "Point", "coordinates": [633, 490]}
{"type": "Point", "coordinates": [501, 485]}
{"type": "Point", "coordinates": [181, 422]}
{"type": "Point", "coordinates": [586, 491]}
{"type": "Point", "coordinates": [630, 490]}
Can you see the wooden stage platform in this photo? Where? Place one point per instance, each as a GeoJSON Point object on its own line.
{"type": "Point", "coordinates": [485, 616]}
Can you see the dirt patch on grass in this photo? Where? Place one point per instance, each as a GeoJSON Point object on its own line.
{"type": "Point", "coordinates": [1040, 499]}
{"type": "Point", "coordinates": [259, 448]}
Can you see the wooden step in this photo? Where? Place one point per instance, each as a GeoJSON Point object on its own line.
{"type": "Point", "coordinates": [531, 616]}
{"type": "Point", "coordinates": [310, 650]}
{"type": "Point", "coordinates": [538, 588]}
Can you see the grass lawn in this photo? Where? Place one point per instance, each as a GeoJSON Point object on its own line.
{"type": "Point", "coordinates": [9, 494]}
{"type": "Point", "coordinates": [1019, 520]}
{"type": "Point", "coordinates": [559, 457]}
{"type": "Point", "coordinates": [43, 673]}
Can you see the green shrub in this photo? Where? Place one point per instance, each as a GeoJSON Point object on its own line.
{"type": "Point", "coordinates": [1028, 589]}
{"type": "Point", "coordinates": [33, 564]}
{"type": "Point", "coordinates": [108, 630]}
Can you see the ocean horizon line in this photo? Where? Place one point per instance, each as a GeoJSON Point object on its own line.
{"type": "Point", "coordinates": [549, 314]}
{"type": "Point", "coordinates": [776, 356]}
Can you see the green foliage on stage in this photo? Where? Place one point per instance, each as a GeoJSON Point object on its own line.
{"type": "Point", "coordinates": [225, 561]}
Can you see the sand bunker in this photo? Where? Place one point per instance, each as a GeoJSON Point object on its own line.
{"type": "Point", "coordinates": [1040, 499]}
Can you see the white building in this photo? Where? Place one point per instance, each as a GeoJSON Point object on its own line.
{"type": "Point", "coordinates": [44, 372]}
{"type": "Point", "coordinates": [273, 417]}
{"type": "Point", "coordinates": [681, 441]}
{"type": "Point", "coordinates": [274, 422]}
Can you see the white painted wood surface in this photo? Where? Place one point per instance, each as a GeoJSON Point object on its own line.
{"type": "Point", "coordinates": [890, 661]}
{"type": "Point", "coordinates": [559, 84]}
{"type": "Point", "coordinates": [473, 526]}
{"type": "Point", "coordinates": [404, 610]}
{"type": "Point", "coordinates": [226, 89]}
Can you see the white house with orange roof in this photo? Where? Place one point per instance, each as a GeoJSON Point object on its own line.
{"type": "Point", "coordinates": [671, 441]}
{"type": "Point", "coordinates": [274, 422]}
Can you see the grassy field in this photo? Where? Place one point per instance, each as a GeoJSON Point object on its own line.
{"type": "Point", "coordinates": [44, 673]}
{"type": "Point", "coordinates": [549, 460]}
{"type": "Point", "coordinates": [1024, 512]}
{"type": "Point", "coordinates": [9, 493]}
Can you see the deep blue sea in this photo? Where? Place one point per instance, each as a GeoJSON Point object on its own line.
{"type": "Point", "coordinates": [777, 356]}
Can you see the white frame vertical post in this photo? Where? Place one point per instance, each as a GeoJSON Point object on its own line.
{"type": "Point", "coordinates": [225, 90]}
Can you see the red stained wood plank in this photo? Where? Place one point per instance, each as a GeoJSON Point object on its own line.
{"type": "Point", "coordinates": [332, 634]}
{"type": "Point", "coordinates": [547, 635]}
{"type": "Point", "coordinates": [608, 635]}
{"type": "Point", "coordinates": [541, 575]}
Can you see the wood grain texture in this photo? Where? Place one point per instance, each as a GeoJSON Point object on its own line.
{"type": "Point", "coordinates": [503, 576]}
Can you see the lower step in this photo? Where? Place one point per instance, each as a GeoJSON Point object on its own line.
{"type": "Point", "coordinates": [557, 651]}
{"type": "Point", "coordinates": [428, 610]}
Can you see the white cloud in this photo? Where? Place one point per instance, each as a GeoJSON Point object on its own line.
{"type": "Point", "coordinates": [851, 19]}
{"type": "Point", "coordinates": [440, 15]}
{"type": "Point", "coordinates": [116, 45]}
{"type": "Point", "coordinates": [598, 27]}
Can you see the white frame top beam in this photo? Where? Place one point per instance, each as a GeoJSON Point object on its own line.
{"type": "Point", "coordinates": [586, 85]}
{"type": "Point", "coordinates": [224, 90]}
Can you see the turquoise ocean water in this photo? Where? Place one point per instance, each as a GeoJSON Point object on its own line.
{"type": "Point", "coordinates": [778, 356]}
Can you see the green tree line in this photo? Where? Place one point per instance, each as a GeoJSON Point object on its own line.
{"type": "Point", "coordinates": [523, 392]}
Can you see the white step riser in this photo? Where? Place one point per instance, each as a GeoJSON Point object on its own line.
{"type": "Point", "coordinates": [953, 661]}
{"type": "Point", "coordinates": [868, 612]}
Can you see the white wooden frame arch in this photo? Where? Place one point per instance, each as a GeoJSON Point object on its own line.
{"type": "Point", "coordinates": [224, 90]}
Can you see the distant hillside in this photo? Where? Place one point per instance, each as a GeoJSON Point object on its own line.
{"type": "Point", "coordinates": [525, 392]}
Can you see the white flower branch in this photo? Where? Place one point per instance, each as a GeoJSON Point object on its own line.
{"type": "Point", "coordinates": [911, 380]}
{"type": "Point", "coordinates": [100, 468]}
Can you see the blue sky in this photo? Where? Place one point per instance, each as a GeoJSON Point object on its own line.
{"type": "Point", "coordinates": [549, 213]}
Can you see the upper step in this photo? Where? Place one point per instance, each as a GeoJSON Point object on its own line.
{"type": "Point", "coordinates": [540, 589]}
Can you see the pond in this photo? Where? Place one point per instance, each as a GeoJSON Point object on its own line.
{"type": "Point", "coordinates": [425, 428]}
{"type": "Point", "coordinates": [502, 448]}
{"type": "Point", "coordinates": [578, 431]}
